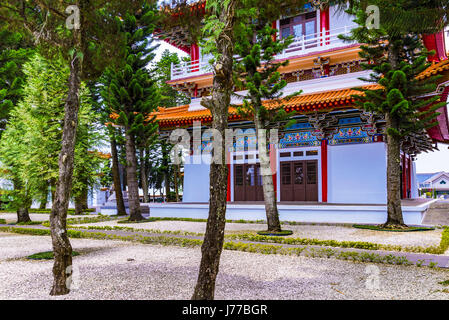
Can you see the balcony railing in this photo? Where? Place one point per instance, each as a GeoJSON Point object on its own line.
{"type": "Point", "coordinates": [306, 44]}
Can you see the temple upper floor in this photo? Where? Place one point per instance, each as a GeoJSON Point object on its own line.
{"type": "Point", "coordinates": [316, 52]}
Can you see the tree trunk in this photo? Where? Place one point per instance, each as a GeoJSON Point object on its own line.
{"type": "Point", "coordinates": [23, 215]}
{"type": "Point", "coordinates": [85, 198]}
{"type": "Point", "coordinates": [271, 209]}
{"type": "Point", "coordinates": [218, 104]}
{"type": "Point", "coordinates": [131, 174]}
{"type": "Point", "coordinates": [121, 211]}
{"type": "Point", "coordinates": [79, 205]}
{"type": "Point", "coordinates": [44, 197]}
{"type": "Point", "coordinates": [167, 170]}
{"type": "Point", "coordinates": [176, 174]}
{"type": "Point", "coordinates": [394, 209]}
{"type": "Point", "coordinates": [62, 268]}
{"type": "Point", "coordinates": [143, 175]}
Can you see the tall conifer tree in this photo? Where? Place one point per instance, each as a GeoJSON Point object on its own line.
{"type": "Point", "coordinates": [133, 94]}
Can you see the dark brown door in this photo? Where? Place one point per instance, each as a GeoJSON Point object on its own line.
{"type": "Point", "coordinates": [312, 180]}
{"type": "Point", "coordinates": [286, 182]}
{"type": "Point", "coordinates": [299, 181]}
{"type": "Point", "coordinates": [248, 183]}
{"type": "Point", "coordinates": [239, 183]}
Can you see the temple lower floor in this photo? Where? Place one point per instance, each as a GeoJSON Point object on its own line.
{"type": "Point", "coordinates": [327, 172]}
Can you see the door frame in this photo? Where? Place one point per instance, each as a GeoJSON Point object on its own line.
{"type": "Point", "coordinates": [303, 158]}
{"type": "Point", "coordinates": [233, 162]}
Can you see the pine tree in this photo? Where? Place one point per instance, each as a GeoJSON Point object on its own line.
{"type": "Point", "coordinates": [133, 94]}
{"type": "Point", "coordinates": [15, 50]}
{"type": "Point", "coordinates": [88, 41]}
{"type": "Point", "coordinates": [396, 57]}
{"type": "Point", "coordinates": [169, 96]}
{"type": "Point", "coordinates": [257, 71]}
{"type": "Point", "coordinates": [32, 139]}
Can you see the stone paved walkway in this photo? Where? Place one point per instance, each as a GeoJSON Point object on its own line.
{"type": "Point", "coordinates": [441, 261]}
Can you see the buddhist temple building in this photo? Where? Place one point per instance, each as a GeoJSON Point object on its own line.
{"type": "Point", "coordinates": [335, 153]}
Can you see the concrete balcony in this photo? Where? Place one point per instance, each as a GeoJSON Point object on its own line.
{"type": "Point", "coordinates": [301, 46]}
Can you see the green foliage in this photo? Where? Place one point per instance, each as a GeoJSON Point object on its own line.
{"type": "Point", "coordinates": [396, 57]}
{"type": "Point", "coordinates": [169, 96]}
{"type": "Point", "coordinates": [131, 91]}
{"type": "Point", "coordinates": [32, 141]}
{"type": "Point", "coordinates": [14, 52]}
{"type": "Point", "coordinates": [257, 71]}
{"type": "Point", "coordinates": [48, 255]}
{"type": "Point", "coordinates": [380, 228]}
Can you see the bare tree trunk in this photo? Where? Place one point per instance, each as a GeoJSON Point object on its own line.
{"type": "Point", "coordinates": [167, 170]}
{"type": "Point", "coordinates": [143, 175]}
{"type": "Point", "coordinates": [22, 212]}
{"type": "Point", "coordinates": [78, 205]}
{"type": "Point", "coordinates": [218, 104]}
{"type": "Point", "coordinates": [23, 215]}
{"type": "Point", "coordinates": [62, 268]}
{"type": "Point", "coordinates": [271, 209]}
{"type": "Point", "coordinates": [394, 209]}
{"type": "Point", "coordinates": [176, 173]}
{"type": "Point", "coordinates": [85, 198]}
{"type": "Point", "coordinates": [131, 174]}
{"type": "Point", "coordinates": [44, 197]}
{"type": "Point", "coordinates": [121, 211]}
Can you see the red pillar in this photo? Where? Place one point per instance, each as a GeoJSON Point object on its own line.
{"type": "Point", "coordinates": [324, 168]}
{"type": "Point", "coordinates": [325, 24]}
{"type": "Point", "coordinates": [228, 160]}
{"type": "Point", "coordinates": [195, 56]}
{"type": "Point", "coordinates": [436, 43]}
{"type": "Point", "coordinates": [274, 26]}
{"type": "Point", "coordinates": [404, 177]}
{"type": "Point", "coordinates": [409, 176]}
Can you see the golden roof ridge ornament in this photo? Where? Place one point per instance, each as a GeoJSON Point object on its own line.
{"type": "Point", "coordinates": [320, 4]}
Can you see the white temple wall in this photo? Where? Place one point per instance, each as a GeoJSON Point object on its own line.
{"type": "Point", "coordinates": [414, 182]}
{"type": "Point", "coordinates": [196, 182]}
{"type": "Point", "coordinates": [357, 173]}
{"type": "Point", "coordinates": [339, 18]}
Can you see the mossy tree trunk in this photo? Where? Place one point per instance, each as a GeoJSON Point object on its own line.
{"type": "Point", "coordinates": [218, 104]}
{"type": "Point", "coordinates": [62, 268]}
{"type": "Point", "coordinates": [135, 213]}
{"type": "Point", "coordinates": [269, 193]}
{"type": "Point", "coordinates": [121, 211]}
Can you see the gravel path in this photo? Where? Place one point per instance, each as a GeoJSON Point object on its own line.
{"type": "Point", "coordinates": [12, 217]}
{"type": "Point", "coordinates": [123, 270]}
{"type": "Point", "coordinates": [323, 232]}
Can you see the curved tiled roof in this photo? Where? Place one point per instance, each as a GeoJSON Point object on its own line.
{"type": "Point", "coordinates": [434, 69]}
{"type": "Point", "coordinates": [179, 116]}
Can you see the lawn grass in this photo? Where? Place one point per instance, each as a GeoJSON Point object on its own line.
{"type": "Point", "coordinates": [282, 233]}
{"type": "Point", "coordinates": [47, 255]}
{"type": "Point", "coordinates": [380, 228]}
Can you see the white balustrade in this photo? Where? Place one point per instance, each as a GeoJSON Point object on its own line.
{"type": "Point", "coordinates": [303, 45]}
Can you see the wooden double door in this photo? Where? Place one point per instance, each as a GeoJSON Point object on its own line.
{"type": "Point", "coordinates": [299, 180]}
{"type": "Point", "coordinates": [248, 183]}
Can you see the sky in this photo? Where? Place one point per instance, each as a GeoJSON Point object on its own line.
{"type": "Point", "coordinates": [425, 163]}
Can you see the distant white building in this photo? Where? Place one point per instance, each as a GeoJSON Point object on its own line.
{"type": "Point", "coordinates": [434, 182]}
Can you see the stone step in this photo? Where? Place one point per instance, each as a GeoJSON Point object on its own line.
{"type": "Point", "coordinates": [439, 205]}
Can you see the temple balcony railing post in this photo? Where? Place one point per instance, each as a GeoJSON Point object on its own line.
{"type": "Point", "coordinates": [305, 44]}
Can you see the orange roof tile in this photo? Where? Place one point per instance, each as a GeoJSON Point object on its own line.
{"type": "Point", "coordinates": [434, 70]}
{"type": "Point", "coordinates": [169, 117]}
